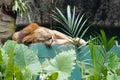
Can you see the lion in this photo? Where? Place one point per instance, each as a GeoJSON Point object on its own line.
{"type": "Point", "coordinates": [34, 33]}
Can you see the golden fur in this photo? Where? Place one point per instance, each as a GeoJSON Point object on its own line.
{"type": "Point", "coordinates": [38, 34]}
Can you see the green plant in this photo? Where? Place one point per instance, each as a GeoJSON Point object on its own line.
{"type": "Point", "coordinates": [63, 64]}
{"type": "Point", "coordinates": [72, 24]}
{"type": "Point", "coordinates": [107, 44]}
{"type": "Point", "coordinates": [21, 7]}
{"type": "Point", "coordinates": [18, 62]}
{"type": "Point", "coordinates": [102, 60]}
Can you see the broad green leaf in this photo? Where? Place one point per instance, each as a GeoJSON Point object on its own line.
{"type": "Point", "coordinates": [10, 66]}
{"type": "Point", "coordinates": [5, 59]}
{"type": "Point", "coordinates": [27, 61]}
{"type": "Point", "coordinates": [8, 59]}
{"type": "Point", "coordinates": [26, 58]}
{"type": "Point", "coordinates": [18, 73]}
{"type": "Point", "coordinates": [63, 63]}
{"type": "Point", "coordinates": [8, 47]}
{"type": "Point", "coordinates": [27, 74]}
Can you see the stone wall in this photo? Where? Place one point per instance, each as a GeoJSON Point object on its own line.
{"type": "Point", "coordinates": [7, 25]}
{"type": "Point", "coordinates": [7, 20]}
{"type": "Point", "coordinates": [101, 12]}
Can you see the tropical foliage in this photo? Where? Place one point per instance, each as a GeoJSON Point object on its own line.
{"type": "Point", "coordinates": [63, 64]}
{"type": "Point", "coordinates": [104, 64]}
{"type": "Point", "coordinates": [18, 62]}
{"type": "Point", "coordinates": [21, 7]}
{"type": "Point", "coordinates": [72, 24]}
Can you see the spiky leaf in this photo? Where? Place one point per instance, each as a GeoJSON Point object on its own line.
{"type": "Point", "coordinates": [72, 23]}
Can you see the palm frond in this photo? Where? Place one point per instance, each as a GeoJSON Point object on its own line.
{"type": "Point", "coordinates": [60, 21]}
{"type": "Point", "coordinates": [67, 32]}
{"type": "Point", "coordinates": [62, 16]}
{"type": "Point", "coordinates": [77, 25]}
{"type": "Point", "coordinates": [84, 32]}
{"type": "Point", "coordinates": [69, 17]}
{"type": "Point", "coordinates": [83, 24]}
{"type": "Point", "coordinates": [73, 17]}
{"type": "Point", "coordinates": [72, 23]}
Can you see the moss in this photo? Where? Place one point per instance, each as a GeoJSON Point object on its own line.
{"type": "Point", "coordinates": [12, 26]}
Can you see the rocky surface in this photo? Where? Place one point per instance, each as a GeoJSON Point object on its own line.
{"type": "Point", "coordinates": [39, 13]}
{"type": "Point", "coordinates": [6, 2]}
{"type": "Point", "coordinates": [101, 12]}
{"type": "Point", "coordinates": [7, 20]}
{"type": "Point", "coordinates": [7, 26]}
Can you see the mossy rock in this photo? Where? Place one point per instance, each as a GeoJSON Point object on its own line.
{"type": "Point", "coordinates": [7, 26]}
